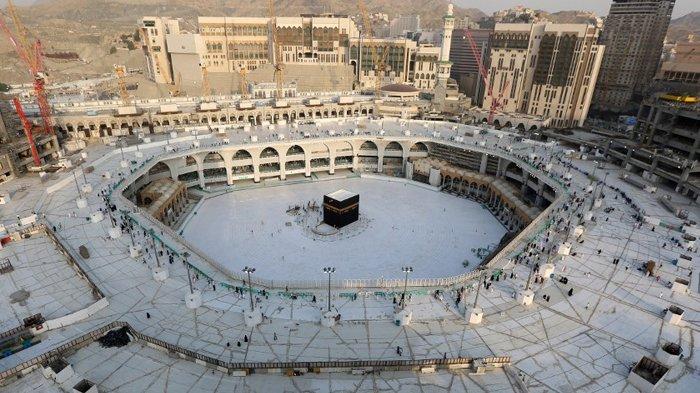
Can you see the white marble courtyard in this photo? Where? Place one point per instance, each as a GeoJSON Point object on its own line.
{"type": "Point", "coordinates": [401, 225]}
{"type": "Point", "coordinates": [585, 342]}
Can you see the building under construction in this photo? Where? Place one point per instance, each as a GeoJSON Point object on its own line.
{"type": "Point", "coordinates": [16, 152]}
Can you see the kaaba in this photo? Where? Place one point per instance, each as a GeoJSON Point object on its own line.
{"type": "Point", "coordinates": [341, 208]}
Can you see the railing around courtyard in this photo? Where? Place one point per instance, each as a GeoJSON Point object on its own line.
{"type": "Point", "coordinates": [245, 368]}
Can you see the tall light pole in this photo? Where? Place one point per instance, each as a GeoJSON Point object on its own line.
{"type": "Point", "coordinates": [595, 191]}
{"type": "Point", "coordinates": [482, 277]}
{"type": "Point", "coordinates": [329, 270]}
{"type": "Point", "coordinates": [186, 255]}
{"type": "Point", "coordinates": [77, 187]}
{"type": "Point", "coordinates": [155, 250]}
{"type": "Point", "coordinates": [406, 270]}
{"type": "Point", "coordinates": [249, 270]}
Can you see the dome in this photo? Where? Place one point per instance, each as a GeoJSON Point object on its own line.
{"type": "Point", "coordinates": [399, 88]}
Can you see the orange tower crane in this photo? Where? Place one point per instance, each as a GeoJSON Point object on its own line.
{"type": "Point", "coordinates": [496, 102]}
{"type": "Point", "coordinates": [27, 130]}
{"type": "Point", "coordinates": [31, 54]}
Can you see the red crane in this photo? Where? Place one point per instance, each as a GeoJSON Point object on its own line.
{"type": "Point", "coordinates": [31, 54]}
{"type": "Point", "coordinates": [27, 130]}
{"type": "Point", "coordinates": [495, 101]}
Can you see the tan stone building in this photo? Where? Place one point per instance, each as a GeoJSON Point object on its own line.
{"type": "Point", "coordinates": [544, 69]}
{"type": "Point", "coordinates": [164, 199]}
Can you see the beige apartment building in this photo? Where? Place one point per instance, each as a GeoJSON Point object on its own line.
{"type": "Point", "coordinates": [229, 44]}
{"type": "Point", "coordinates": [544, 69]}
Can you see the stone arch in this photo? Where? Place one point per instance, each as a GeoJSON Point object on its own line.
{"type": "Point", "coordinates": [344, 148]}
{"type": "Point", "coordinates": [190, 160]}
{"type": "Point", "coordinates": [269, 152]}
{"type": "Point", "coordinates": [159, 167]}
{"type": "Point", "coordinates": [213, 157]}
{"type": "Point", "coordinates": [393, 146]}
{"type": "Point", "coordinates": [295, 149]}
{"type": "Point", "coordinates": [368, 145]}
{"type": "Point", "coordinates": [419, 147]}
{"type": "Point", "coordinates": [242, 155]}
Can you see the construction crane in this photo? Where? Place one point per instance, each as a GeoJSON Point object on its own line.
{"type": "Point", "coordinates": [379, 62]}
{"type": "Point", "coordinates": [27, 130]}
{"type": "Point", "coordinates": [206, 86]}
{"type": "Point", "coordinates": [120, 71]}
{"type": "Point", "coordinates": [176, 91]}
{"type": "Point", "coordinates": [242, 75]}
{"type": "Point", "coordinates": [277, 52]}
{"type": "Point", "coordinates": [243, 82]}
{"type": "Point", "coordinates": [496, 102]}
{"type": "Point", "coordinates": [31, 54]}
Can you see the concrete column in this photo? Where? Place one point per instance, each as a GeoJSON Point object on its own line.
{"type": "Point", "coordinates": [200, 174]}
{"type": "Point", "coordinates": [307, 166]}
{"type": "Point", "coordinates": [331, 165]}
{"type": "Point", "coordinates": [256, 169]}
{"type": "Point", "coordinates": [283, 169]}
{"type": "Point", "coordinates": [654, 164]}
{"type": "Point", "coordinates": [482, 166]}
{"type": "Point", "coordinates": [355, 163]}
{"type": "Point", "coordinates": [229, 172]}
{"type": "Point", "coordinates": [380, 161]}
{"type": "Point", "coordinates": [627, 158]}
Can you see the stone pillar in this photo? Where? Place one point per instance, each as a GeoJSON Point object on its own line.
{"type": "Point", "coordinates": [283, 169]}
{"type": "Point", "coordinates": [331, 165]}
{"type": "Point", "coordinates": [380, 161]}
{"type": "Point", "coordinates": [256, 169]}
{"type": "Point", "coordinates": [200, 175]}
{"type": "Point", "coordinates": [482, 166]}
{"type": "Point", "coordinates": [307, 167]}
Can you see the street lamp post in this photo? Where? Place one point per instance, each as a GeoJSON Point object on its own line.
{"type": "Point", "coordinates": [250, 270]}
{"type": "Point", "coordinates": [406, 270]}
{"type": "Point", "coordinates": [329, 270]}
{"type": "Point", "coordinates": [186, 255]}
{"type": "Point", "coordinates": [155, 251]}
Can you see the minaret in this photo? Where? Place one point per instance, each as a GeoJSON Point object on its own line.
{"type": "Point", "coordinates": [444, 65]}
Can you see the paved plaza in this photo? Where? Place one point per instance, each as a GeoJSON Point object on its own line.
{"type": "Point", "coordinates": [400, 224]}
{"type": "Point", "coordinates": [578, 336]}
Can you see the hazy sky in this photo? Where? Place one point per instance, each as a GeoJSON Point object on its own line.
{"type": "Point", "coordinates": [600, 7]}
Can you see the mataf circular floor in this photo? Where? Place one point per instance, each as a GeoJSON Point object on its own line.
{"type": "Point", "coordinates": [400, 225]}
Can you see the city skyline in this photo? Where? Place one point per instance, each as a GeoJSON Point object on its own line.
{"type": "Point", "coordinates": [600, 7]}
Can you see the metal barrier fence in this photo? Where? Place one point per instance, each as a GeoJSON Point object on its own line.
{"type": "Point", "coordinates": [247, 367]}
{"type": "Point", "coordinates": [51, 355]}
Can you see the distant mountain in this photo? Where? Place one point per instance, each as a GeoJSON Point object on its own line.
{"type": "Point", "coordinates": [680, 28]}
{"type": "Point", "coordinates": [109, 11]}
{"type": "Point", "coordinates": [569, 16]}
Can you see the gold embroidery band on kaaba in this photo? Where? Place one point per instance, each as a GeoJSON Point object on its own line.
{"type": "Point", "coordinates": [343, 210]}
